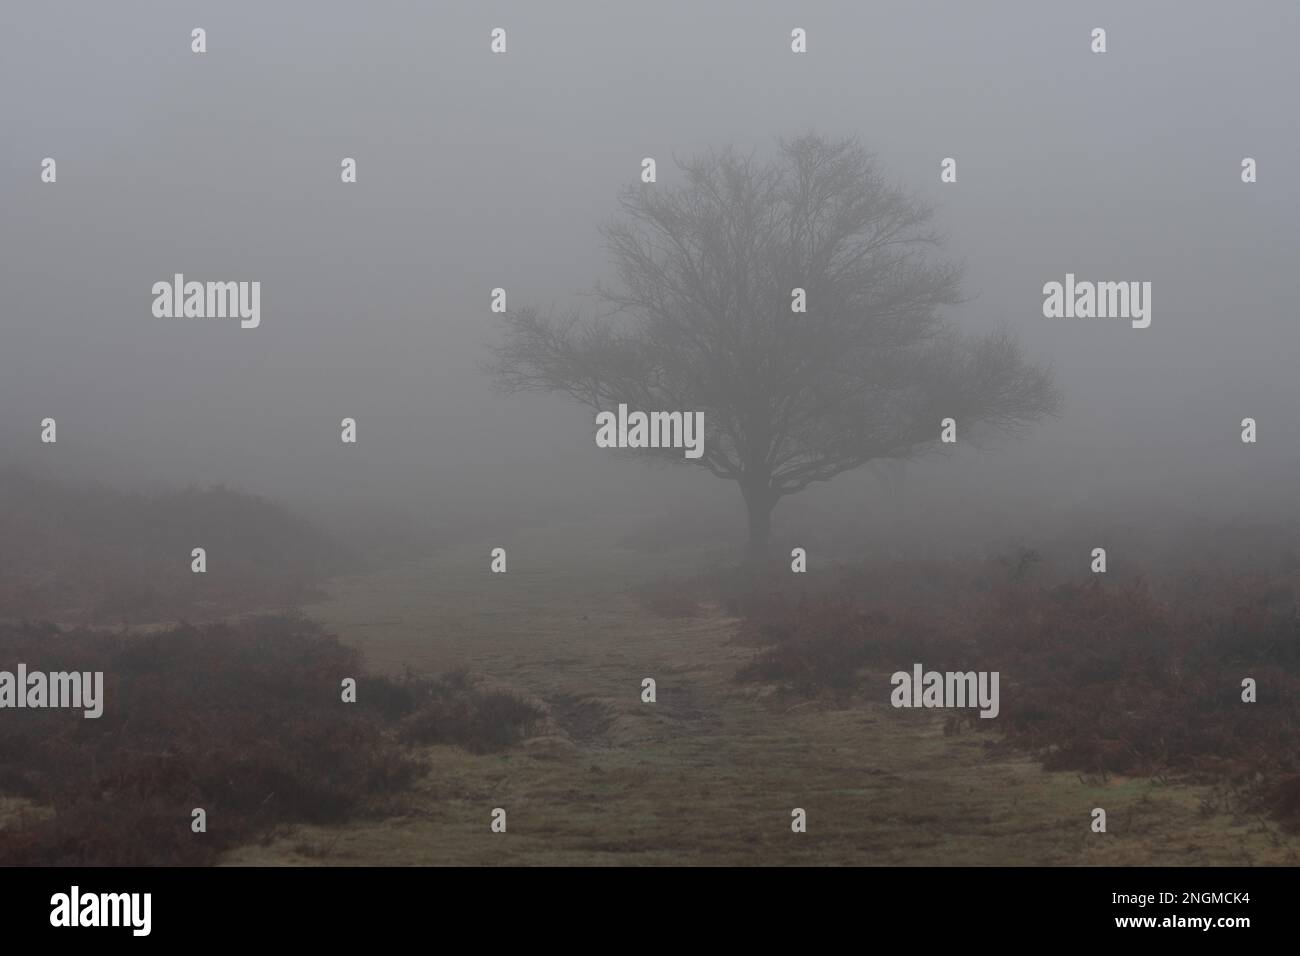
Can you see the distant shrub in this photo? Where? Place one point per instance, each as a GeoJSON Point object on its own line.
{"type": "Point", "coordinates": [88, 554]}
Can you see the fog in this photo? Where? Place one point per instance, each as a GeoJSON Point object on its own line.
{"type": "Point", "coordinates": [478, 170]}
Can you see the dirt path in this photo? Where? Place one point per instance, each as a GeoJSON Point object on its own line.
{"type": "Point", "coordinates": [710, 772]}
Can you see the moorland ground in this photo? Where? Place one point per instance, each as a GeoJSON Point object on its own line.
{"type": "Point", "coordinates": [709, 773]}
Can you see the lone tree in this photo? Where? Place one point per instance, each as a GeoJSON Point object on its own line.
{"type": "Point", "coordinates": [701, 318]}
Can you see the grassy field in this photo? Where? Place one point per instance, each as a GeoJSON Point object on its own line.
{"type": "Point", "coordinates": [710, 772]}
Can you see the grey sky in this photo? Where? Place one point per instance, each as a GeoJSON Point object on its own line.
{"type": "Point", "coordinates": [478, 170]}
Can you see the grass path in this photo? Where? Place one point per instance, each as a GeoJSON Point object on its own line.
{"type": "Point", "coordinates": [709, 773]}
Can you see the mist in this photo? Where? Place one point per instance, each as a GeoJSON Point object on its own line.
{"type": "Point", "coordinates": [477, 171]}
{"type": "Point", "coordinates": [372, 573]}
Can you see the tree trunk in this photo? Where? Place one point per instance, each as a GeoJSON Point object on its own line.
{"type": "Point", "coordinates": [759, 504]}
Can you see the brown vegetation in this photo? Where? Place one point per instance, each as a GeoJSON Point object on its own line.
{"type": "Point", "coordinates": [244, 720]}
{"type": "Point", "coordinates": [1098, 676]}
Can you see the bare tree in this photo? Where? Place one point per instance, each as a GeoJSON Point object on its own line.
{"type": "Point", "coordinates": [700, 318]}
